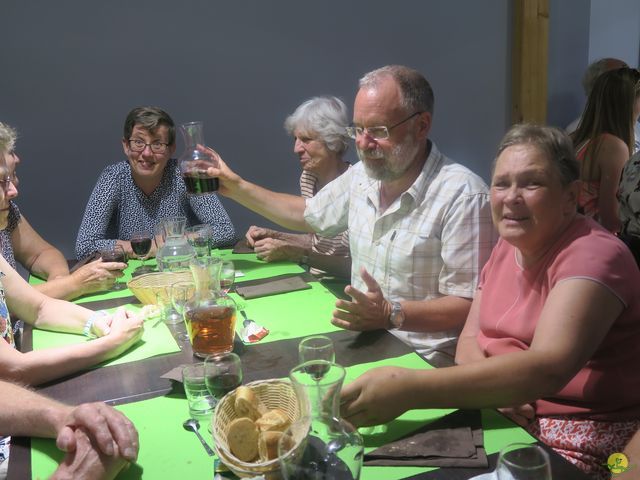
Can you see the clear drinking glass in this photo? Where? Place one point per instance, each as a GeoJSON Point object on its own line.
{"type": "Point", "coordinates": [222, 374]}
{"type": "Point", "coordinates": [181, 293]}
{"type": "Point", "coordinates": [522, 461]}
{"type": "Point", "coordinates": [201, 402]}
{"type": "Point", "coordinates": [199, 237]}
{"type": "Point", "coordinates": [227, 275]}
{"type": "Point", "coordinates": [321, 445]}
{"type": "Point", "coordinates": [316, 347]}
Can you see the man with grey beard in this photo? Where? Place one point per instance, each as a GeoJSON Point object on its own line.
{"type": "Point", "coordinates": [419, 225]}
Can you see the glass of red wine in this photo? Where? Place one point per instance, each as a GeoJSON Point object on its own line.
{"type": "Point", "coordinates": [141, 246]}
{"type": "Point", "coordinates": [222, 374]}
{"type": "Point", "coordinates": [115, 253]}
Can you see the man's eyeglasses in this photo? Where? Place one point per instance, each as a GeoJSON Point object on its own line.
{"type": "Point", "coordinates": [139, 146]}
{"type": "Point", "coordinates": [377, 133]}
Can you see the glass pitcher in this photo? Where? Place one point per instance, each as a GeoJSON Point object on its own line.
{"type": "Point", "coordinates": [210, 316]}
{"type": "Point", "coordinates": [193, 163]}
{"type": "Point", "coordinates": [176, 253]}
{"type": "Point", "coordinates": [321, 445]}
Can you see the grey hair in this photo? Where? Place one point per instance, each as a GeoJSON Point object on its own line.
{"type": "Point", "coordinates": [551, 141]}
{"type": "Point", "coordinates": [325, 117]}
{"type": "Point", "coordinates": [417, 94]}
{"type": "Point", "coordinates": [8, 136]}
{"type": "Point", "coordinates": [597, 68]}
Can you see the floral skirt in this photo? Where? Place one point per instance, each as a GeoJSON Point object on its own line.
{"type": "Point", "coordinates": [585, 443]}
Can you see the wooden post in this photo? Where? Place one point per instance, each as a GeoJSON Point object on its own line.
{"type": "Point", "coordinates": [529, 61]}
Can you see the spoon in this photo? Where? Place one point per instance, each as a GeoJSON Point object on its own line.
{"type": "Point", "coordinates": [247, 321]}
{"type": "Point", "coordinates": [193, 425]}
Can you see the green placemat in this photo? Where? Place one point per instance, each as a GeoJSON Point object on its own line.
{"type": "Point", "coordinates": [156, 340]}
{"type": "Point", "coordinates": [254, 269]}
{"type": "Point", "coordinates": [166, 449]}
{"type": "Point", "coordinates": [291, 315]}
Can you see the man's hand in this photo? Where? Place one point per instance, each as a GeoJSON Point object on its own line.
{"type": "Point", "coordinates": [87, 462]}
{"type": "Point", "coordinates": [273, 250]}
{"type": "Point", "coordinates": [367, 311]}
{"type": "Point", "coordinates": [523, 415]}
{"type": "Point", "coordinates": [110, 430]}
{"type": "Point", "coordinates": [378, 396]}
{"type": "Point", "coordinates": [98, 275]}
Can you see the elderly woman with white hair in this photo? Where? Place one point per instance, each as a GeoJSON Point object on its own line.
{"type": "Point", "coordinates": [319, 129]}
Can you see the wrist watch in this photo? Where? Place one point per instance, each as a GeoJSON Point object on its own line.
{"type": "Point", "coordinates": [396, 318]}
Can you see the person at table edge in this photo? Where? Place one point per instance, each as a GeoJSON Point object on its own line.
{"type": "Point", "coordinates": [98, 439]}
{"type": "Point", "coordinates": [419, 225]}
{"type": "Point", "coordinates": [20, 242]}
{"type": "Point", "coordinates": [554, 327]}
{"type": "Point", "coordinates": [134, 195]}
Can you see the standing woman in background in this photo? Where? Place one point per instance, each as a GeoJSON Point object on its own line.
{"type": "Point", "coordinates": [604, 141]}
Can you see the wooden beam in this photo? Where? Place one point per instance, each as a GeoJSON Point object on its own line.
{"type": "Point", "coordinates": [529, 61]}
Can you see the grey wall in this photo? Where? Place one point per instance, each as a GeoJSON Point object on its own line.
{"type": "Point", "coordinates": [581, 31]}
{"type": "Point", "coordinates": [71, 70]}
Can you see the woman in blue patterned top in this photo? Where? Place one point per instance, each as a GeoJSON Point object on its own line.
{"type": "Point", "coordinates": [136, 194]}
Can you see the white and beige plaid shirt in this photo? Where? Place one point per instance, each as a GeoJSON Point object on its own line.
{"type": "Point", "coordinates": [431, 242]}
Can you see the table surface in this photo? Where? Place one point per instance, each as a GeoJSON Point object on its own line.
{"type": "Point", "coordinates": [142, 380]}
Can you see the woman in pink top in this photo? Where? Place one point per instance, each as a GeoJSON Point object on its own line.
{"type": "Point", "coordinates": [555, 324]}
{"type": "Point", "coordinates": [604, 142]}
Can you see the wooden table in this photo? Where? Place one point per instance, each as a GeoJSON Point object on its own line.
{"type": "Point", "coordinates": [141, 380]}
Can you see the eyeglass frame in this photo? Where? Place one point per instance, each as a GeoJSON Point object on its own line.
{"type": "Point", "coordinates": [150, 145]}
{"type": "Point", "coordinates": [354, 131]}
{"type": "Point", "coordinates": [5, 182]}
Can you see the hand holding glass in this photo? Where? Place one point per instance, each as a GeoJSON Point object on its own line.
{"type": "Point", "coordinates": [115, 253]}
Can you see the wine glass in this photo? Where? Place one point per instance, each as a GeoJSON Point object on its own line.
{"type": "Point", "coordinates": [181, 293]}
{"type": "Point", "coordinates": [222, 374]}
{"type": "Point", "coordinates": [227, 275]}
{"type": "Point", "coordinates": [115, 253]}
{"type": "Point", "coordinates": [316, 347]}
{"type": "Point", "coordinates": [522, 461]}
{"type": "Point", "coordinates": [141, 246]}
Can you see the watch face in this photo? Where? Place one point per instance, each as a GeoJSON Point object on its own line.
{"type": "Point", "coordinates": [397, 316]}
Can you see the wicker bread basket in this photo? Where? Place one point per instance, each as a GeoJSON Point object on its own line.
{"type": "Point", "coordinates": [272, 394]}
{"type": "Point", "coordinates": [146, 287]}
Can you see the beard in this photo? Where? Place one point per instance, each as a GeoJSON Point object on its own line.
{"type": "Point", "coordinates": [393, 165]}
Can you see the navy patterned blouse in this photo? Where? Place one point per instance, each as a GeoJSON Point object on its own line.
{"type": "Point", "coordinates": [118, 208]}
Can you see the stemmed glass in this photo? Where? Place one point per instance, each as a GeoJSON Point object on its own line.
{"type": "Point", "coordinates": [115, 253]}
{"type": "Point", "coordinates": [227, 275]}
{"type": "Point", "coordinates": [316, 347]}
{"type": "Point", "coordinates": [141, 246]}
{"type": "Point", "coordinates": [222, 374]}
{"type": "Point", "coordinates": [521, 461]}
{"type": "Point", "coordinates": [180, 293]}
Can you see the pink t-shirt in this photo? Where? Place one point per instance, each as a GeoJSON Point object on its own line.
{"type": "Point", "coordinates": [608, 386]}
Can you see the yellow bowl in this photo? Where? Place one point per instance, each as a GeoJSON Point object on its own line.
{"type": "Point", "coordinates": [149, 286]}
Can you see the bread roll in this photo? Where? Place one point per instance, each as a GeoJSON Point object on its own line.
{"type": "Point", "coordinates": [242, 438]}
{"type": "Point", "coordinates": [246, 403]}
{"type": "Point", "coordinates": [273, 420]}
{"type": "Point", "coordinates": [268, 445]}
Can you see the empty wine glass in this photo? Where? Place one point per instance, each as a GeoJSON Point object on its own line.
{"type": "Point", "coordinates": [141, 246]}
{"type": "Point", "coordinates": [316, 347]}
{"type": "Point", "coordinates": [222, 374]}
{"type": "Point", "coordinates": [522, 461]}
{"type": "Point", "coordinates": [180, 293]}
{"type": "Point", "coordinates": [115, 253]}
{"type": "Point", "coordinates": [227, 275]}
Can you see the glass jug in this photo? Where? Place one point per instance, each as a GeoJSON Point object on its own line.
{"type": "Point", "coordinates": [321, 445]}
{"type": "Point", "coordinates": [176, 253]}
{"type": "Point", "coordinates": [193, 163]}
{"type": "Point", "coordinates": [210, 316]}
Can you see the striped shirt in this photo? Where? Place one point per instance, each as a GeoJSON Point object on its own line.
{"type": "Point", "coordinates": [431, 242]}
{"type": "Point", "coordinates": [337, 245]}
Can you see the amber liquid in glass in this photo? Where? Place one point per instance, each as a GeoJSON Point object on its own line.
{"type": "Point", "coordinates": [211, 329]}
